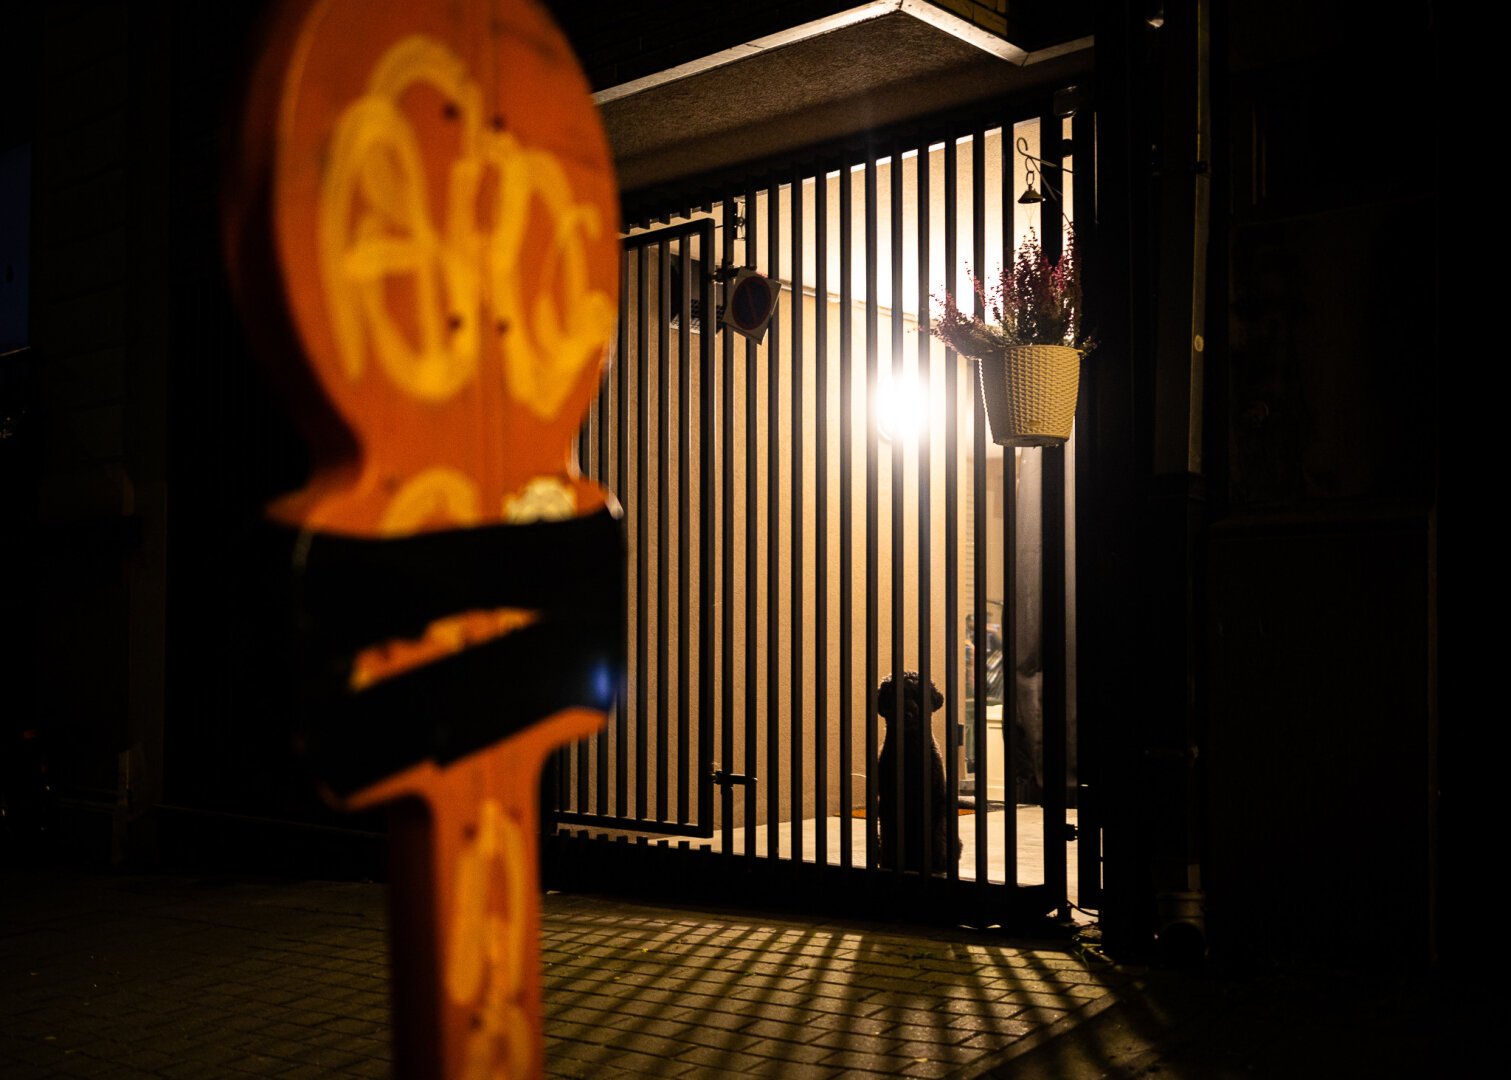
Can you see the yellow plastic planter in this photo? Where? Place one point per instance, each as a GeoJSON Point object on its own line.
{"type": "Point", "coordinates": [1030, 393]}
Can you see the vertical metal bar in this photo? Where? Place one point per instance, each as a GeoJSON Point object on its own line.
{"type": "Point", "coordinates": [581, 803]}
{"type": "Point", "coordinates": [602, 408]}
{"type": "Point", "coordinates": [579, 800]}
{"type": "Point", "coordinates": [1052, 209]}
{"type": "Point", "coordinates": [925, 370]}
{"type": "Point", "coordinates": [795, 561]}
{"type": "Point", "coordinates": [706, 537]}
{"type": "Point", "coordinates": [872, 335]}
{"type": "Point", "coordinates": [1053, 642]}
{"type": "Point", "coordinates": [1088, 812]}
{"type": "Point", "coordinates": [563, 761]}
{"type": "Point", "coordinates": [684, 526]}
{"type": "Point", "coordinates": [601, 740]}
{"type": "Point", "coordinates": [773, 529]}
{"type": "Point", "coordinates": [663, 523]}
{"type": "Point", "coordinates": [821, 518]}
{"type": "Point", "coordinates": [846, 512]}
{"type": "Point", "coordinates": [1009, 563]}
{"type": "Point", "coordinates": [642, 535]}
{"type": "Point", "coordinates": [727, 560]}
{"type": "Point", "coordinates": [897, 452]}
{"type": "Point", "coordinates": [622, 473]}
{"type": "Point", "coordinates": [978, 505]}
{"type": "Point", "coordinates": [951, 524]}
{"type": "Point", "coordinates": [584, 745]}
{"type": "Point", "coordinates": [584, 462]}
{"type": "Point", "coordinates": [752, 523]}
{"type": "Point", "coordinates": [1054, 672]}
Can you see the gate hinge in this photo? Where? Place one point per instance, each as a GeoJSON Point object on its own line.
{"type": "Point", "coordinates": [1071, 833]}
{"type": "Point", "coordinates": [722, 777]}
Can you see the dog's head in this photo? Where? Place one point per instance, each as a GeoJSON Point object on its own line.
{"type": "Point", "coordinates": [912, 696]}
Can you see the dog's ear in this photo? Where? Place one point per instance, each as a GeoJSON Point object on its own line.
{"type": "Point", "coordinates": [885, 699]}
{"type": "Point", "coordinates": [936, 698]}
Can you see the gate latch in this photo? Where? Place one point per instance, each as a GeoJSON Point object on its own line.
{"type": "Point", "coordinates": [722, 777]}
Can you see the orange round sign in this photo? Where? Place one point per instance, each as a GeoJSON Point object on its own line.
{"type": "Point", "coordinates": [441, 219]}
{"type": "Point", "coordinates": [422, 227]}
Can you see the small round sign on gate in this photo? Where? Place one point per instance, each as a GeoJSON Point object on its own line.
{"type": "Point", "coordinates": [751, 300]}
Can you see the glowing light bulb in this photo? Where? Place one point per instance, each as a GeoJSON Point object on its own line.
{"type": "Point", "coordinates": [901, 407]}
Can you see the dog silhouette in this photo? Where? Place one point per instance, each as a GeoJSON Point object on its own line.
{"type": "Point", "coordinates": [912, 738]}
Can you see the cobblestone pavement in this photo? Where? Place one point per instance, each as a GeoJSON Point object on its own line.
{"type": "Point", "coordinates": [183, 978]}
{"type": "Point", "coordinates": [188, 978]}
{"type": "Point", "coordinates": [670, 994]}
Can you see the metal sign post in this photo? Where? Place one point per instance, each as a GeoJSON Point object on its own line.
{"type": "Point", "coordinates": [421, 222]}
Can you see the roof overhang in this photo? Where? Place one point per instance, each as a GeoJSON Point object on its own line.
{"type": "Point", "coordinates": [874, 65]}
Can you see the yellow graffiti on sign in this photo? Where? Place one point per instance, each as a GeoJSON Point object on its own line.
{"type": "Point", "coordinates": [437, 494]}
{"type": "Point", "coordinates": [486, 946]}
{"type": "Point", "coordinates": [465, 278]}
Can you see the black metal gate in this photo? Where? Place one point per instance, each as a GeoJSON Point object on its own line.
{"type": "Point", "coordinates": [667, 286]}
{"type": "Point", "coordinates": [813, 511]}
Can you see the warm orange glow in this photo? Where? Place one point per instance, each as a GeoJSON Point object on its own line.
{"type": "Point", "coordinates": [902, 407]}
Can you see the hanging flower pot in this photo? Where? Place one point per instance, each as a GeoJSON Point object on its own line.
{"type": "Point", "coordinates": [1028, 357]}
{"type": "Point", "coordinates": [1030, 393]}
